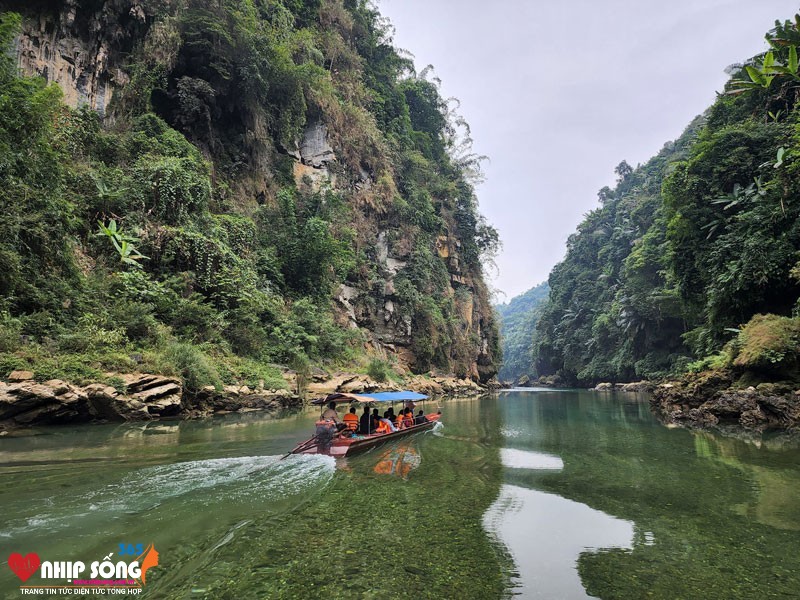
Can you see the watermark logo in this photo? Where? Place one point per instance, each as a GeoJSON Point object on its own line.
{"type": "Point", "coordinates": [24, 566]}
{"type": "Point", "coordinates": [108, 575]}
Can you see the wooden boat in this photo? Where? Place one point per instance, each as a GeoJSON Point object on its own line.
{"type": "Point", "coordinates": [346, 444]}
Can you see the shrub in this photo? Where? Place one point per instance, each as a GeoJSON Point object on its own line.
{"type": "Point", "coordinates": [252, 373]}
{"type": "Point", "coordinates": [769, 343]}
{"type": "Point", "coordinates": [379, 370]}
{"type": "Point", "coordinates": [174, 187]}
{"type": "Point", "coordinates": [192, 365]}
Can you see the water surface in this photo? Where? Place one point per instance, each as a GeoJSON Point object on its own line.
{"type": "Point", "coordinates": [538, 494]}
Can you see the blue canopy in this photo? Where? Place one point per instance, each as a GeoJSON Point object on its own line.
{"type": "Point", "coordinates": [393, 396]}
{"type": "Point", "coordinates": [375, 397]}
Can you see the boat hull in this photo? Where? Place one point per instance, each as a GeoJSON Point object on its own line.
{"type": "Point", "coordinates": [344, 446]}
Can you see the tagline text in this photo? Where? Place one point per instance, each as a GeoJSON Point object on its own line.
{"type": "Point", "coordinates": [80, 591]}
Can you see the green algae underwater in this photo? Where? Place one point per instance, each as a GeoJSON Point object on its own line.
{"type": "Point", "coordinates": [537, 494]}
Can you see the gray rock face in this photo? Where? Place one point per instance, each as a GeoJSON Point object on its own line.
{"type": "Point", "coordinates": [315, 149]}
{"type": "Point", "coordinates": [161, 395]}
{"type": "Point", "coordinates": [106, 403]}
{"type": "Point", "coordinates": [83, 67]}
{"type": "Point", "coordinates": [28, 402]}
{"type": "Point", "coordinates": [241, 399]}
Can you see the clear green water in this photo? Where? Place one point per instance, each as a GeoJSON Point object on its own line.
{"type": "Point", "coordinates": [538, 494]}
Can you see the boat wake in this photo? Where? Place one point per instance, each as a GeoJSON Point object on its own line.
{"type": "Point", "coordinates": [202, 483]}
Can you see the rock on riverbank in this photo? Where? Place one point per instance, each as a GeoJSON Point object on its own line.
{"type": "Point", "coordinates": [26, 402]}
{"type": "Point", "coordinates": [323, 384]}
{"type": "Point", "coordinates": [633, 386]}
{"type": "Point", "coordinates": [708, 399]}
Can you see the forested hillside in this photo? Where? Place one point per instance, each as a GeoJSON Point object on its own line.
{"type": "Point", "coordinates": [208, 187]}
{"type": "Point", "coordinates": [517, 321]}
{"type": "Point", "coordinates": [688, 247]}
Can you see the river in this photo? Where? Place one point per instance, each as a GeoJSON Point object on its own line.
{"type": "Point", "coordinates": [532, 493]}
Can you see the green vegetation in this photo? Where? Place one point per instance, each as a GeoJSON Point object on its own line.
{"type": "Point", "coordinates": [688, 247]}
{"type": "Point", "coordinates": [177, 239]}
{"type": "Point", "coordinates": [517, 325]}
{"type": "Point", "coordinates": [379, 370]}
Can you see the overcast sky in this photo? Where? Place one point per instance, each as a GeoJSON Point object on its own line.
{"type": "Point", "coordinates": [558, 93]}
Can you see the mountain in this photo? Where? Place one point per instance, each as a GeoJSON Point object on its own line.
{"type": "Point", "coordinates": [517, 325]}
{"type": "Point", "coordinates": [207, 188]}
{"type": "Point", "coordinates": [691, 247]}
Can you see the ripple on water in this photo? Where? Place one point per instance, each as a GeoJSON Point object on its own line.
{"type": "Point", "coordinates": [202, 482]}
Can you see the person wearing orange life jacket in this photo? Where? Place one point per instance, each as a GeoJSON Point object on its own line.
{"type": "Point", "coordinates": [351, 420]}
{"type": "Point", "coordinates": [408, 417]}
{"type": "Point", "coordinates": [383, 426]}
{"type": "Point", "coordinates": [389, 424]}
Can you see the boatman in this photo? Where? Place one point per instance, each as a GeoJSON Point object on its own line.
{"type": "Point", "coordinates": [330, 414]}
{"type": "Point", "coordinates": [324, 433]}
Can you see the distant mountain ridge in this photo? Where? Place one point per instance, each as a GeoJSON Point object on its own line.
{"type": "Point", "coordinates": [517, 320]}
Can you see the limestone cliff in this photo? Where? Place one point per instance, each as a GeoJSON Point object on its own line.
{"type": "Point", "coordinates": [372, 134]}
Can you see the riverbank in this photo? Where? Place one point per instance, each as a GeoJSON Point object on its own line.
{"type": "Point", "coordinates": [25, 402]}
{"type": "Point", "coordinates": [713, 398]}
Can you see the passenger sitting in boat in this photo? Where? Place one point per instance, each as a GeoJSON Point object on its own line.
{"type": "Point", "coordinates": [351, 420]}
{"type": "Point", "coordinates": [383, 426]}
{"type": "Point", "coordinates": [331, 415]}
{"type": "Point", "coordinates": [376, 419]}
{"type": "Point", "coordinates": [420, 418]}
{"type": "Point", "coordinates": [389, 424]}
{"type": "Point", "coordinates": [366, 426]}
{"type": "Point", "coordinates": [408, 417]}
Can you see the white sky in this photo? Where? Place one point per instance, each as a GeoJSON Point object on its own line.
{"type": "Point", "coordinates": [557, 93]}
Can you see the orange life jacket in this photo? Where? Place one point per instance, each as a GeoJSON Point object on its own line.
{"type": "Point", "coordinates": [382, 428]}
{"type": "Point", "coordinates": [351, 420]}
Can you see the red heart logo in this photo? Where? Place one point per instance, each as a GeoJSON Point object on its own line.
{"type": "Point", "coordinates": [24, 567]}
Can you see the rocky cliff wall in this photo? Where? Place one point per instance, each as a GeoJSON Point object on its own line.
{"type": "Point", "coordinates": [85, 46]}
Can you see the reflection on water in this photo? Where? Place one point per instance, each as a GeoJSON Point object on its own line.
{"type": "Point", "coordinates": [546, 534]}
{"type": "Point", "coordinates": [639, 510]}
{"type": "Point", "coordinates": [525, 459]}
{"type": "Point", "coordinates": [399, 460]}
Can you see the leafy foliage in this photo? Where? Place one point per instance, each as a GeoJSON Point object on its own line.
{"type": "Point", "coordinates": [690, 245]}
{"type": "Point", "coordinates": [177, 233]}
